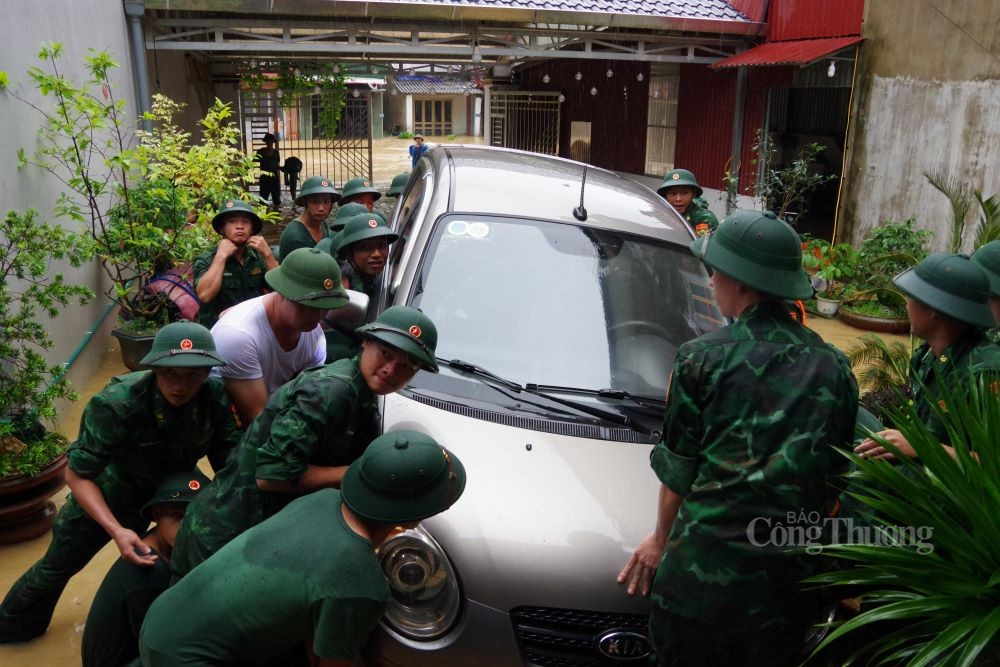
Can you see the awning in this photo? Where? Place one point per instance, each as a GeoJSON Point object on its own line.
{"type": "Point", "coordinates": [799, 52]}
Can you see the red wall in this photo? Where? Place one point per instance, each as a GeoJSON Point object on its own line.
{"type": "Point", "coordinates": [617, 113]}
{"type": "Point", "coordinates": [706, 103]}
{"type": "Point", "coordinates": [800, 19]}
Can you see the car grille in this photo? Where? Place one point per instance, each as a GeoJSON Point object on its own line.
{"type": "Point", "coordinates": [573, 638]}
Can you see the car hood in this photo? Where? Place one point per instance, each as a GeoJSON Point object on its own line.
{"type": "Point", "coordinates": [546, 520]}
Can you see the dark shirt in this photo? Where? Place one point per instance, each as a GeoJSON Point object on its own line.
{"type": "Point", "coordinates": [240, 282]}
{"type": "Point", "coordinates": [111, 633]}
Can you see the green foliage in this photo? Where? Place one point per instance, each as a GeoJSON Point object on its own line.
{"type": "Point", "coordinates": [939, 598]}
{"type": "Point", "coordinates": [295, 81]}
{"type": "Point", "coordinates": [784, 190]}
{"type": "Point", "coordinates": [29, 291]}
{"type": "Point", "coordinates": [833, 263]}
{"type": "Point", "coordinates": [143, 203]}
{"type": "Point", "coordinates": [890, 249]}
{"type": "Point", "coordinates": [451, 137]}
{"type": "Point", "coordinates": [405, 134]}
{"type": "Point", "coordinates": [879, 365]}
{"type": "Point", "coordinates": [960, 196]}
{"type": "Point", "coordinates": [34, 457]}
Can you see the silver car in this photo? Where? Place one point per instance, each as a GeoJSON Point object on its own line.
{"type": "Point", "coordinates": [561, 293]}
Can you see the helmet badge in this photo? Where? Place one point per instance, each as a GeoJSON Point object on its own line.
{"type": "Point", "coordinates": [373, 223]}
{"type": "Point", "coordinates": [186, 344]}
{"type": "Point", "coordinates": [676, 177]}
{"type": "Point", "coordinates": [367, 184]}
{"type": "Point", "coordinates": [324, 183]}
{"type": "Point", "coordinates": [230, 204]}
{"type": "Point", "coordinates": [328, 284]}
{"type": "Point", "coordinates": [415, 331]}
{"type": "Point", "coordinates": [194, 485]}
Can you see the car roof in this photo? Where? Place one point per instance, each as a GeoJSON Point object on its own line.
{"type": "Point", "coordinates": [503, 181]}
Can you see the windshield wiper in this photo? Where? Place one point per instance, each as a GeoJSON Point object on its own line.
{"type": "Point", "coordinates": [617, 394]}
{"type": "Point", "coordinates": [534, 390]}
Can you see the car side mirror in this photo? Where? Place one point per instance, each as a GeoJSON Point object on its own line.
{"type": "Point", "coordinates": [351, 315]}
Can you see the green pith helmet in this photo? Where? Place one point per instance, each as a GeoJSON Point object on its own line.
{"type": "Point", "coordinates": [316, 185]}
{"type": "Point", "coordinates": [357, 186]}
{"type": "Point", "coordinates": [231, 206]}
{"type": "Point", "coordinates": [951, 284]}
{"type": "Point", "coordinates": [408, 329]}
{"type": "Point", "coordinates": [676, 178]}
{"type": "Point", "coordinates": [758, 250]}
{"type": "Point", "coordinates": [179, 487]}
{"type": "Point", "coordinates": [308, 277]}
{"type": "Point", "coordinates": [988, 258]}
{"type": "Point", "coordinates": [362, 227]}
{"type": "Point", "coordinates": [183, 345]}
{"type": "Point", "coordinates": [345, 211]}
{"type": "Point", "coordinates": [403, 476]}
{"type": "Point", "coordinates": [398, 183]}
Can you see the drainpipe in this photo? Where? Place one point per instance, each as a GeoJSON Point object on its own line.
{"type": "Point", "coordinates": [135, 10]}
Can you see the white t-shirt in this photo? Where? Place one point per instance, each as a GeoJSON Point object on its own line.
{"type": "Point", "coordinates": [245, 340]}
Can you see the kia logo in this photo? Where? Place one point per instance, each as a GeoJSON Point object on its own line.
{"type": "Point", "coordinates": [623, 646]}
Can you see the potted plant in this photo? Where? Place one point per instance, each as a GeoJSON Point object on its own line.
{"type": "Point", "coordinates": [831, 265]}
{"type": "Point", "coordinates": [784, 190]}
{"type": "Point", "coordinates": [875, 303]}
{"type": "Point", "coordinates": [928, 565]}
{"type": "Point", "coordinates": [145, 198]}
{"type": "Point", "coordinates": [32, 459]}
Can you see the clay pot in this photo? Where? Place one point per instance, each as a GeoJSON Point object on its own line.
{"type": "Point", "coordinates": [25, 509]}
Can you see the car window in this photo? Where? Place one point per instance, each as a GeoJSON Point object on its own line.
{"type": "Point", "coordinates": [560, 304]}
{"type": "Point", "coordinates": [412, 207]}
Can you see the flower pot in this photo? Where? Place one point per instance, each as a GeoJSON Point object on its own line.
{"type": "Point", "coordinates": [827, 307]}
{"type": "Point", "coordinates": [134, 347]}
{"type": "Point", "coordinates": [25, 509]}
{"type": "Point", "coordinates": [891, 325]}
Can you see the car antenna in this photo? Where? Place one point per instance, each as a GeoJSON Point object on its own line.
{"type": "Point", "coordinates": [580, 213]}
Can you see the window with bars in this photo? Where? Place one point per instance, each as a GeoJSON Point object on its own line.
{"type": "Point", "coordinates": [661, 129]}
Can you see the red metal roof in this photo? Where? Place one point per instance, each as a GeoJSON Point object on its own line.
{"type": "Point", "coordinates": [792, 52]}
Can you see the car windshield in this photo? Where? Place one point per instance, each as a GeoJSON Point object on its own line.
{"type": "Point", "coordinates": [559, 304]}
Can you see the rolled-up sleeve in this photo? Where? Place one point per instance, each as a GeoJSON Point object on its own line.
{"type": "Point", "coordinates": [676, 458]}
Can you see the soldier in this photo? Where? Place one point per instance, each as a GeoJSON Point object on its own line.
{"type": "Point", "coordinates": [754, 414]}
{"type": "Point", "coordinates": [316, 199]}
{"type": "Point", "coordinates": [988, 258]}
{"type": "Point", "coordinates": [308, 434]}
{"type": "Point", "coordinates": [234, 271]}
{"type": "Point", "coordinates": [140, 428]}
{"type": "Point", "coordinates": [269, 340]}
{"type": "Point", "coordinates": [682, 191]}
{"type": "Point", "coordinates": [305, 581]}
{"type": "Point", "coordinates": [269, 161]}
{"type": "Point", "coordinates": [111, 633]}
{"type": "Point", "coordinates": [363, 250]}
{"type": "Point", "coordinates": [387, 204]}
{"type": "Point", "coordinates": [345, 211]}
{"type": "Point", "coordinates": [361, 191]}
{"type": "Point", "coordinates": [948, 302]}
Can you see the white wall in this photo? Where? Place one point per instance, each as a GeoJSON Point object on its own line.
{"type": "Point", "coordinates": [949, 127]}
{"type": "Point", "coordinates": [97, 24]}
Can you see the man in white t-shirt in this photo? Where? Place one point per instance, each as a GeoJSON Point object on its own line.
{"type": "Point", "coordinates": [268, 340]}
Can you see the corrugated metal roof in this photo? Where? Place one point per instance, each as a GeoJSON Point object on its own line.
{"type": "Point", "coordinates": [792, 52]}
{"type": "Point", "coordinates": [433, 85]}
{"type": "Point", "coordinates": [688, 9]}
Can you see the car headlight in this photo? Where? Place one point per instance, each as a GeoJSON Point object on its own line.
{"type": "Point", "coordinates": [425, 595]}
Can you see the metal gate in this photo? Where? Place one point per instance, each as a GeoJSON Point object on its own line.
{"type": "Point", "coordinates": [527, 121]}
{"type": "Point", "coordinates": [298, 128]}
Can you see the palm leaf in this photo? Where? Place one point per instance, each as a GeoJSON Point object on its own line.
{"type": "Point", "coordinates": [988, 228]}
{"type": "Point", "coordinates": [959, 198]}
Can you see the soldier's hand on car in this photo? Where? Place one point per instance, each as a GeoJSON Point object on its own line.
{"type": "Point", "coordinates": [641, 567]}
{"type": "Point", "coordinates": [133, 549]}
{"type": "Point", "coordinates": [872, 449]}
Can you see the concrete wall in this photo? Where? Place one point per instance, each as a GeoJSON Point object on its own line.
{"type": "Point", "coordinates": [97, 24]}
{"type": "Point", "coordinates": [926, 100]}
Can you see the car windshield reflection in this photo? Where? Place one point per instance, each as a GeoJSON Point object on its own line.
{"type": "Point", "coordinates": [557, 304]}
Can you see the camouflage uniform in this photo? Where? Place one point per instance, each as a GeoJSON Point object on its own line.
{"type": "Point", "coordinates": [701, 219]}
{"type": "Point", "coordinates": [130, 440]}
{"type": "Point", "coordinates": [324, 417]}
{"type": "Point", "coordinates": [240, 282]}
{"type": "Point", "coordinates": [754, 413]}
{"type": "Point", "coordinates": [973, 352]}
